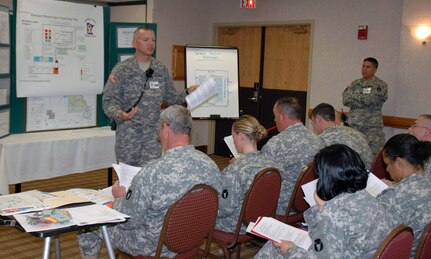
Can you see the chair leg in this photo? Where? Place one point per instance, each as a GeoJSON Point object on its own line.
{"type": "Point", "coordinates": [226, 252]}
{"type": "Point", "coordinates": [238, 251]}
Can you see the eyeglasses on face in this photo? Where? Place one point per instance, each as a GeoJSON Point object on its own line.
{"type": "Point", "coordinates": [415, 125]}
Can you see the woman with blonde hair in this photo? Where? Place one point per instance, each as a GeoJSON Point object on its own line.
{"type": "Point", "coordinates": [237, 177]}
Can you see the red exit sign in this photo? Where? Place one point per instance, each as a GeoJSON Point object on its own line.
{"type": "Point", "coordinates": [248, 3]}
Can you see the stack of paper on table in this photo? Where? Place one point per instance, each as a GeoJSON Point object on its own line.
{"type": "Point", "coordinates": [23, 202]}
{"type": "Point", "coordinates": [125, 173]}
{"type": "Point", "coordinates": [374, 187]}
{"type": "Point", "coordinates": [81, 216]}
{"type": "Point", "coordinates": [36, 200]}
{"type": "Point", "coordinates": [272, 229]}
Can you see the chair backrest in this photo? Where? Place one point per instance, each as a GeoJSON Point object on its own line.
{"type": "Point", "coordinates": [423, 250]}
{"type": "Point", "coordinates": [398, 244]}
{"type": "Point", "coordinates": [297, 201]}
{"type": "Point", "coordinates": [189, 221]}
{"type": "Point", "coordinates": [379, 168]}
{"type": "Point", "coordinates": [261, 199]}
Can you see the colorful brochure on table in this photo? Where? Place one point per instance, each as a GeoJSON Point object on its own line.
{"type": "Point", "coordinates": [36, 200]}
{"type": "Point", "coordinates": [59, 218]}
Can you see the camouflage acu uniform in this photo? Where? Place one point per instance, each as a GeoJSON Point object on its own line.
{"type": "Point", "coordinates": [351, 225]}
{"type": "Point", "coordinates": [293, 149]}
{"type": "Point", "coordinates": [350, 137]}
{"type": "Point", "coordinates": [154, 189]}
{"type": "Point", "coordinates": [235, 181]}
{"type": "Point", "coordinates": [427, 167]}
{"type": "Point", "coordinates": [365, 99]}
{"type": "Point", "coordinates": [408, 202]}
{"type": "Point", "coordinates": [136, 140]}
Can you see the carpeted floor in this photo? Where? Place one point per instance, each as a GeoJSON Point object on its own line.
{"type": "Point", "coordinates": [16, 244]}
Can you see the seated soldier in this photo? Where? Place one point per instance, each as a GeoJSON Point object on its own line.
{"type": "Point", "coordinates": [331, 132]}
{"type": "Point", "coordinates": [158, 185]}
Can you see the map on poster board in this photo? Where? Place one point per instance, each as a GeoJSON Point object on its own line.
{"type": "Point", "coordinates": [61, 112]}
{"type": "Point", "coordinates": [59, 48]}
{"type": "Point", "coordinates": [221, 64]}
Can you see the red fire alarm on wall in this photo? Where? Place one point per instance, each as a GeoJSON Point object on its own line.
{"type": "Point", "coordinates": [362, 32]}
{"type": "Point", "coordinates": [248, 4]}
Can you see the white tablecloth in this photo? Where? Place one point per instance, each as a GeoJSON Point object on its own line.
{"type": "Point", "coordinates": [41, 155]}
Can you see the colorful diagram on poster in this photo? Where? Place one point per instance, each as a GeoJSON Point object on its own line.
{"type": "Point", "coordinates": [59, 50]}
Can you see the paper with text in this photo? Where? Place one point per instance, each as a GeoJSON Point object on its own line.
{"type": "Point", "coordinates": [374, 187]}
{"type": "Point", "coordinates": [272, 229]}
{"type": "Point", "coordinates": [125, 173]}
{"type": "Point", "coordinates": [94, 214]}
{"type": "Point", "coordinates": [205, 91]}
{"type": "Point", "coordinates": [62, 198]}
{"type": "Point", "coordinates": [229, 142]}
{"type": "Point", "coordinates": [23, 202]}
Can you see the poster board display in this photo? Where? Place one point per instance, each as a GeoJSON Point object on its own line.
{"type": "Point", "coordinates": [222, 64]}
{"type": "Point", "coordinates": [61, 112]}
{"type": "Point", "coordinates": [59, 49]}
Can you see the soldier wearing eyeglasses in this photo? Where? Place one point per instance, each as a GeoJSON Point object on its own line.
{"type": "Point", "coordinates": [421, 129]}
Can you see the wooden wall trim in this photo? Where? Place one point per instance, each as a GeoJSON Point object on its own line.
{"type": "Point", "coordinates": [388, 121]}
{"type": "Point", "coordinates": [397, 122]}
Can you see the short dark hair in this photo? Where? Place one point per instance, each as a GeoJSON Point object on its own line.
{"type": "Point", "coordinates": [372, 60]}
{"type": "Point", "coordinates": [290, 106]}
{"type": "Point", "coordinates": [408, 147]}
{"type": "Point", "coordinates": [325, 110]}
{"type": "Point", "coordinates": [142, 28]}
{"type": "Point", "coordinates": [340, 169]}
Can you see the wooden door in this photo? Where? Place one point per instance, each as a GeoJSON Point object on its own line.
{"type": "Point", "coordinates": [248, 41]}
{"type": "Point", "coordinates": [279, 65]}
{"type": "Point", "coordinates": [287, 50]}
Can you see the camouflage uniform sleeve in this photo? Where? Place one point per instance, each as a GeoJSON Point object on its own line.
{"type": "Point", "coordinates": [171, 95]}
{"type": "Point", "coordinates": [388, 200]}
{"type": "Point", "coordinates": [137, 200]}
{"type": "Point", "coordinates": [229, 202]}
{"type": "Point", "coordinates": [112, 99]}
{"type": "Point", "coordinates": [354, 96]}
{"type": "Point", "coordinates": [327, 236]}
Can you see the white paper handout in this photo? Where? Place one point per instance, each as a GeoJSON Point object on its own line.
{"type": "Point", "coordinates": [94, 214]}
{"type": "Point", "coordinates": [205, 91]}
{"type": "Point", "coordinates": [229, 142]}
{"type": "Point", "coordinates": [374, 187]}
{"type": "Point", "coordinates": [272, 229]}
{"type": "Point", "coordinates": [125, 173]}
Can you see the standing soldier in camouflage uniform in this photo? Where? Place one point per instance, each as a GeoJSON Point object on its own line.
{"type": "Point", "coordinates": [421, 129]}
{"type": "Point", "coordinates": [158, 185]}
{"type": "Point", "coordinates": [136, 134]}
{"type": "Point", "coordinates": [365, 97]}
{"type": "Point", "coordinates": [346, 222]}
{"type": "Point", "coordinates": [236, 179]}
{"type": "Point", "coordinates": [293, 148]}
{"type": "Point", "coordinates": [330, 132]}
{"type": "Point", "coordinates": [408, 200]}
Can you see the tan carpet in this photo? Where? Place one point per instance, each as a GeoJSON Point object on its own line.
{"type": "Point", "coordinates": [16, 244]}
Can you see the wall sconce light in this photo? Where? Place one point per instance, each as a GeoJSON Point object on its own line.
{"type": "Point", "coordinates": [421, 32]}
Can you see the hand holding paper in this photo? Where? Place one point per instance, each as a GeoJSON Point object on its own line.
{"type": "Point", "coordinates": [205, 91]}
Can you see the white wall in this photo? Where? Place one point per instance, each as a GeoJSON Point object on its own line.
{"type": "Point", "coordinates": [336, 53]}
{"type": "Point", "coordinates": [128, 13]}
{"type": "Point", "coordinates": [414, 81]}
